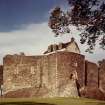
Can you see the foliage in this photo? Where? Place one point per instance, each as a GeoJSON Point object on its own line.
{"type": "Point", "coordinates": [88, 14]}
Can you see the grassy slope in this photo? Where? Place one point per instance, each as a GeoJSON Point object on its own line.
{"type": "Point", "coordinates": [51, 101]}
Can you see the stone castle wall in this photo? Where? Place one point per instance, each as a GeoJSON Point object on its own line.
{"type": "Point", "coordinates": [102, 76]}
{"type": "Point", "coordinates": [55, 72]}
{"type": "Point", "coordinates": [20, 72]}
{"type": "Point", "coordinates": [70, 64]}
{"type": "Point", "coordinates": [91, 70]}
{"type": "Point", "coordinates": [49, 65]}
{"type": "Point", "coordinates": [51, 71]}
{"type": "Point", "coordinates": [29, 71]}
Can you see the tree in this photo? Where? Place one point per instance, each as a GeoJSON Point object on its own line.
{"type": "Point", "coordinates": [88, 14]}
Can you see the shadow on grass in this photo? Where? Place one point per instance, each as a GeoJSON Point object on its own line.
{"type": "Point", "coordinates": [24, 103]}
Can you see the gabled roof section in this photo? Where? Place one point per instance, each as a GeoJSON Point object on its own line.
{"type": "Point", "coordinates": [71, 42]}
{"type": "Point", "coordinates": [61, 46]}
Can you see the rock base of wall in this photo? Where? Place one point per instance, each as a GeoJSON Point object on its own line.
{"type": "Point", "coordinates": [69, 90]}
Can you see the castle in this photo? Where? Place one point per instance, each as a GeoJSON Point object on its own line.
{"type": "Point", "coordinates": [60, 72]}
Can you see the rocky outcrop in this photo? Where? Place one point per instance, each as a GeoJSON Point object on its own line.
{"type": "Point", "coordinates": [70, 90]}
{"type": "Point", "coordinates": [27, 92]}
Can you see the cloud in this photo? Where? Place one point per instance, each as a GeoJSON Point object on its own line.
{"type": "Point", "coordinates": [33, 39]}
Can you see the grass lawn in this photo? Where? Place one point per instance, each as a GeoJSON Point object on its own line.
{"type": "Point", "coordinates": [50, 101]}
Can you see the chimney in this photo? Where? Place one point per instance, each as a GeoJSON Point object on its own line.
{"type": "Point", "coordinates": [55, 47]}
{"type": "Point", "coordinates": [50, 49]}
{"type": "Point", "coordinates": [72, 39]}
{"type": "Point", "coordinates": [22, 54]}
{"type": "Point", "coordinates": [60, 46]}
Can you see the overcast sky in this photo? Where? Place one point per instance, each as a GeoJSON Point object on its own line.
{"type": "Point", "coordinates": [23, 28]}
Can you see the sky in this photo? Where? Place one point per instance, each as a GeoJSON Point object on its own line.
{"type": "Point", "coordinates": [24, 28]}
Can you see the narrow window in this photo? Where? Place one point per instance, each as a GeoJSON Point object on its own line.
{"type": "Point", "coordinates": [71, 76]}
{"type": "Point", "coordinates": [32, 70]}
{"type": "Point", "coordinates": [75, 64]}
{"type": "Point", "coordinates": [16, 71]}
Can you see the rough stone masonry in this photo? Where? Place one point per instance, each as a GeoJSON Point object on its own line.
{"type": "Point", "coordinates": [59, 73]}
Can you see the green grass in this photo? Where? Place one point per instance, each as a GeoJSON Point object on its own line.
{"type": "Point", "coordinates": [50, 101]}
